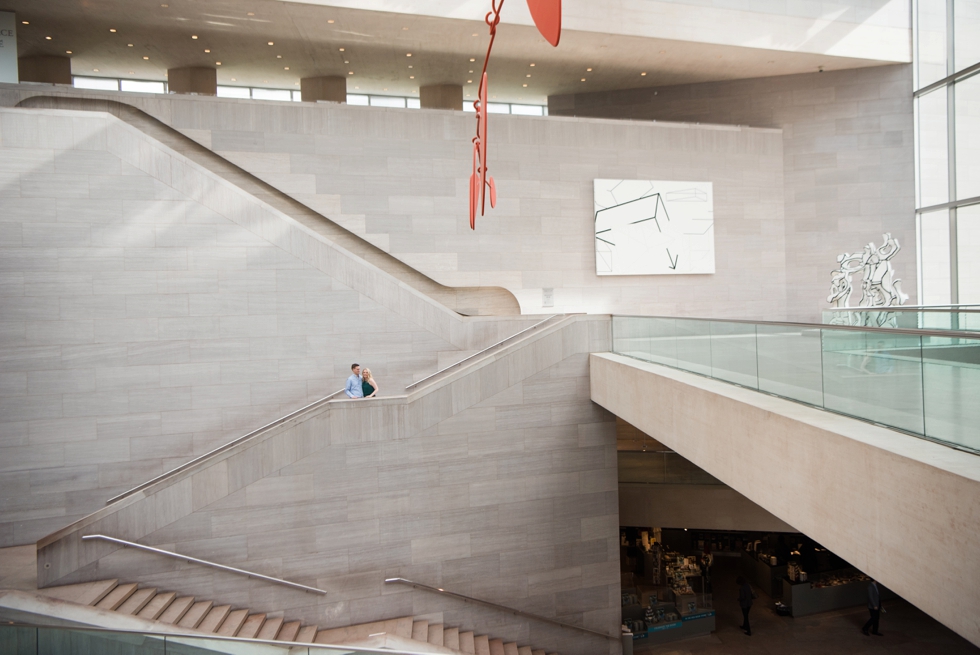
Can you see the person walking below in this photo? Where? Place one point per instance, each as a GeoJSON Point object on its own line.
{"type": "Point", "coordinates": [368, 384]}
{"type": "Point", "coordinates": [874, 606]}
{"type": "Point", "coordinates": [353, 386]}
{"type": "Point", "coordinates": [745, 598]}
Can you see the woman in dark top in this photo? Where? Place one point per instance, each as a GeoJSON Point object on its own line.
{"type": "Point", "coordinates": [368, 384]}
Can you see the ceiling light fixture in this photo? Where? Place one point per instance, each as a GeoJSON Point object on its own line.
{"type": "Point", "coordinates": [588, 70]}
{"type": "Point", "coordinates": [471, 71]}
{"type": "Point", "coordinates": [251, 13]}
{"type": "Point", "coordinates": [404, 29]}
{"type": "Point", "coordinates": [385, 89]}
{"type": "Point", "coordinates": [525, 85]}
{"type": "Point", "coordinates": [475, 34]}
{"type": "Point", "coordinates": [347, 61]}
{"type": "Point", "coordinates": [642, 74]}
{"type": "Point", "coordinates": [129, 45]}
{"type": "Point", "coordinates": [583, 79]}
{"type": "Point", "coordinates": [67, 52]}
{"type": "Point", "coordinates": [528, 75]}
{"type": "Point", "coordinates": [408, 54]}
{"type": "Point", "coordinates": [132, 72]}
{"type": "Point", "coordinates": [272, 43]}
{"type": "Point", "coordinates": [95, 70]}
{"type": "Point", "coordinates": [47, 38]}
{"type": "Point", "coordinates": [145, 57]}
{"type": "Point", "coordinates": [233, 79]}
{"type": "Point", "coordinates": [112, 29]}
{"type": "Point", "coordinates": [350, 72]}
{"type": "Point", "coordinates": [24, 22]}
{"type": "Point", "coordinates": [330, 20]}
{"type": "Point", "coordinates": [207, 50]}
{"type": "Point", "coordinates": [165, 6]}
{"type": "Point", "coordinates": [469, 81]}
{"type": "Point", "coordinates": [341, 49]}
{"type": "Point", "coordinates": [410, 66]}
{"type": "Point", "coordinates": [286, 68]}
{"type": "Point", "coordinates": [411, 77]}
{"type": "Point", "coordinates": [472, 59]}
{"type": "Point", "coordinates": [217, 63]}
{"type": "Point", "coordinates": [532, 65]}
{"type": "Point", "coordinates": [194, 36]}
{"type": "Point", "coordinates": [278, 56]}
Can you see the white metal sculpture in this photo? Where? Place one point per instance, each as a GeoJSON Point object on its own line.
{"type": "Point", "coordinates": [879, 288]}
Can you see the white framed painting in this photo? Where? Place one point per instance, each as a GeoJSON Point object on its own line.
{"type": "Point", "coordinates": [651, 227]}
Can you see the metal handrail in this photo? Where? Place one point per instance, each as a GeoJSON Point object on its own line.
{"type": "Point", "coordinates": [200, 636]}
{"type": "Point", "coordinates": [222, 448]}
{"type": "Point", "coordinates": [214, 565]}
{"type": "Point", "coordinates": [503, 608]}
{"type": "Point", "coordinates": [476, 354]}
{"type": "Point", "coordinates": [821, 326]}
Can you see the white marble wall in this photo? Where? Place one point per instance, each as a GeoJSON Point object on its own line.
{"type": "Point", "coordinates": [399, 179]}
{"type": "Point", "coordinates": [144, 321]}
{"type": "Point", "coordinates": [498, 481]}
{"type": "Point", "coordinates": [847, 156]}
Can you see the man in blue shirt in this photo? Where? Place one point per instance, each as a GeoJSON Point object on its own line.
{"type": "Point", "coordinates": [353, 387]}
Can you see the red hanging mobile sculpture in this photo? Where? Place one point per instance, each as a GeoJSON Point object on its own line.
{"type": "Point", "coordinates": [547, 18]}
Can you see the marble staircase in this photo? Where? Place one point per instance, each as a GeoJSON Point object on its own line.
{"type": "Point", "coordinates": [197, 615]}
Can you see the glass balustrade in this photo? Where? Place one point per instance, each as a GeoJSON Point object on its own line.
{"type": "Point", "coordinates": [964, 318]}
{"type": "Point", "coordinates": [18, 639]}
{"type": "Point", "coordinates": [916, 381]}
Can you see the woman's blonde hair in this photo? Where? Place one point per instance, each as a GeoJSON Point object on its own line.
{"type": "Point", "coordinates": [366, 374]}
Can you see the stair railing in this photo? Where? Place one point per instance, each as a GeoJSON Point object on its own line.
{"type": "Point", "coordinates": [502, 608]}
{"type": "Point", "coordinates": [204, 562]}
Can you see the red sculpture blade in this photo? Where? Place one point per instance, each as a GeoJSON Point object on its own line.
{"type": "Point", "coordinates": [547, 17]}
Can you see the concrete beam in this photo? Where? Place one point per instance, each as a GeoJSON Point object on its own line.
{"type": "Point", "coordinates": [45, 68]}
{"type": "Point", "coordinates": [441, 96]}
{"type": "Point", "coordinates": [332, 88]}
{"type": "Point", "coordinates": [902, 509]}
{"type": "Point", "coordinates": [200, 80]}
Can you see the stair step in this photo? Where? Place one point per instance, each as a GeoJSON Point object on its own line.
{"type": "Point", "coordinates": [195, 614]}
{"type": "Point", "coordinates": [466, 643]}
{"type": "Point", "coordinates": [289, 631]}
{"type": "Point", "coordinates": [435, 636]}
{"type": "Point", "coordinates": [420, 631]}
{"type": "Point", "coordinates": [497, 647]}
{"type": "Point", "coordinates": [450, 638]}
{"type": "Point", "coordinates": [481, 645]}
{"type": "Point", "coordinates": [306, 634]}
{"type": "Point", "coordinates": [231, 625]}
{"type": "Point", "coordinates": [84, 593]}
{"type": "Point", "coordinates": [213, 620]}
{"type": "Point", "coordinates": [155, 608]}
{"type": "Point", "coordinates": [270, 629]}
{"type": "Point", "coordinates": [251, 627]}
{"type": "Point", "coordinates": [525, 650]}
{"type": "Point", "coordinates": [117, 596]}
{"type": "Point", "coordinates": [137, 601]}
{"type": "Point", "coordinates": [177, 610]}
{"type": "Point", "coordinates": [510, 648]}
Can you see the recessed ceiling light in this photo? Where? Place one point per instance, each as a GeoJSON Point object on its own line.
{"type": "Point", "coordinates": [528, 75]}
{"type": "Point", "coordinates": [341, 49]}
{"type": "Point", "coordinates": [471, 59]}
{"type": "Point", "coordinates": [217, 63]}
{"type": "Point", "coordinates": [194, 36]}
{"type": "Point", "coordinates": [408, 54]}
{"type": "Point", "coordinates": [286, 68]}
{"type": "Point", "coordinates": [411, 66]}
{"type": "Point", "coordinates": [641, 74]}
{"type": "Point", "coordinates": [67, 52]}
{"type": "Point", "coordinates": [278, 56]}
{"type": "Point", "coordinates": [471, 71]}
{"type": "Point", "coordinates": [469, 81]}
{"type": "Point", "coordinates": [404, 28]}
{"type": "Point", "coordinates": [251, 13]}
{"type": "Point", "coordinates": [588, 70]}
{"type": "Point", "coordinates": [272, 43]}
{"type": "Point", "coordinates": [234, 80]}
{"type": "Point", "coordinates": [25, 22]}
{"type": "Point", "coordinates": [130, 45]}
{"type": "Point", "coordinates": [330, 20]}
{"type": "Point", "coordinates": [145, 57]}
{"type": "Point", "coordinates": [346, 61]}
{"type": "Point", "coordinates": [411, 77]}
{"type": "Point", "coordinates": [525, 85]}
{"type": "Point", "coordinates": [112, 29]}
{"type": "Point", "coordinates": [475, 34]}
{"type": "Point", "coordinates": [47, 38]}
{"type": "Point", "coordinates": [164, 6]}
{"type": "Point", "coordinates": [532, 65]}
{"type": "Point", "coordinates": [350, 72]}
{"type": "Point", "coordinates": [583, 79]}
{"type": "Point", "coordinates": [95, 70]}
{"type": "Point", "coordinates": [207, 50]}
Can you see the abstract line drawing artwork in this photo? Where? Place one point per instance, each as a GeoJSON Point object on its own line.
{"type": "Point", "coordinates": [645, 227]}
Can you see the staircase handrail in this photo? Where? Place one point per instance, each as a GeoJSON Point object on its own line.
{"type": "Point", "coordinates": [223, 447]}
{"type": "Point", "coordinates": [204, 562]}
{"type": "Point", "coordinates": [477, 354]}
{"type": "Point", "coordinates": [503, 608]}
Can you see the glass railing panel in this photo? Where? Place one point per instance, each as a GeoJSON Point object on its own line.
{"type": "Point", "coordinates": [64, 641]}
{"type": "Point", "coordinates": [790, 362]}
{"type": "Point", "coordinates": [951, 384]}
{"type": "Point", "coordinates": [649, 339]}
{"type": "Point", "coordinates": [733, 353]}
{"type": "Point", "coordinates": [694, 345]}
{"type": "Point", "coordinates": [15, 640]}
{"type": "Point", "coordinates": [874, 376]}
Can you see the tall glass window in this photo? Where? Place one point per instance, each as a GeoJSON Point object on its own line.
{"type": "Point", "coordinates": [947, 140]}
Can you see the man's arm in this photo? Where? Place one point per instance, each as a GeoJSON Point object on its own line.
{"type": "Point", "coordinates": [349, 388]}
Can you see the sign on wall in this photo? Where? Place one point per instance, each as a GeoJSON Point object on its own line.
{"type": "Point", "coordinates": [645, 227]}
{"type": "Point", "coordinates": [8, 47]}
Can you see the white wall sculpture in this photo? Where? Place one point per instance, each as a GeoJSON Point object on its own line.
{"type": "Point", "coordinates": [645, 227]}
{"type": "Point", "coordinates": [879, 288]}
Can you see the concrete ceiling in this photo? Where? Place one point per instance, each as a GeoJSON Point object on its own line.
{"type": "Point", "coordinates": [307, 41]}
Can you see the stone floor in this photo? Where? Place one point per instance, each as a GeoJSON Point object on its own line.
{"type": "Point", "coordinates": [907, 630]}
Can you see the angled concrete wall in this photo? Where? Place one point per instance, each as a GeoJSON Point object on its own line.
{"type": "Point", "coordinates": [902, 509]}
{"type": "Point", "coordinates": [498, 481]}
{"type": "Point", "coordinates": [847, 157]}
{"type": "Point", "coordinates": [399, 178]}
{"type": "Point", "coordinates": [150, 312]}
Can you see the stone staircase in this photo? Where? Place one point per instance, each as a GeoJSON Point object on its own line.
{"type": "Point", "coordinates": [196, 615]}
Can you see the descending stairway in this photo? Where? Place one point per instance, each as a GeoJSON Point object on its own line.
{"type": "Point", "coordinates": [482, 301]}
{"type": "Point", "coordinates": [197, 615]}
